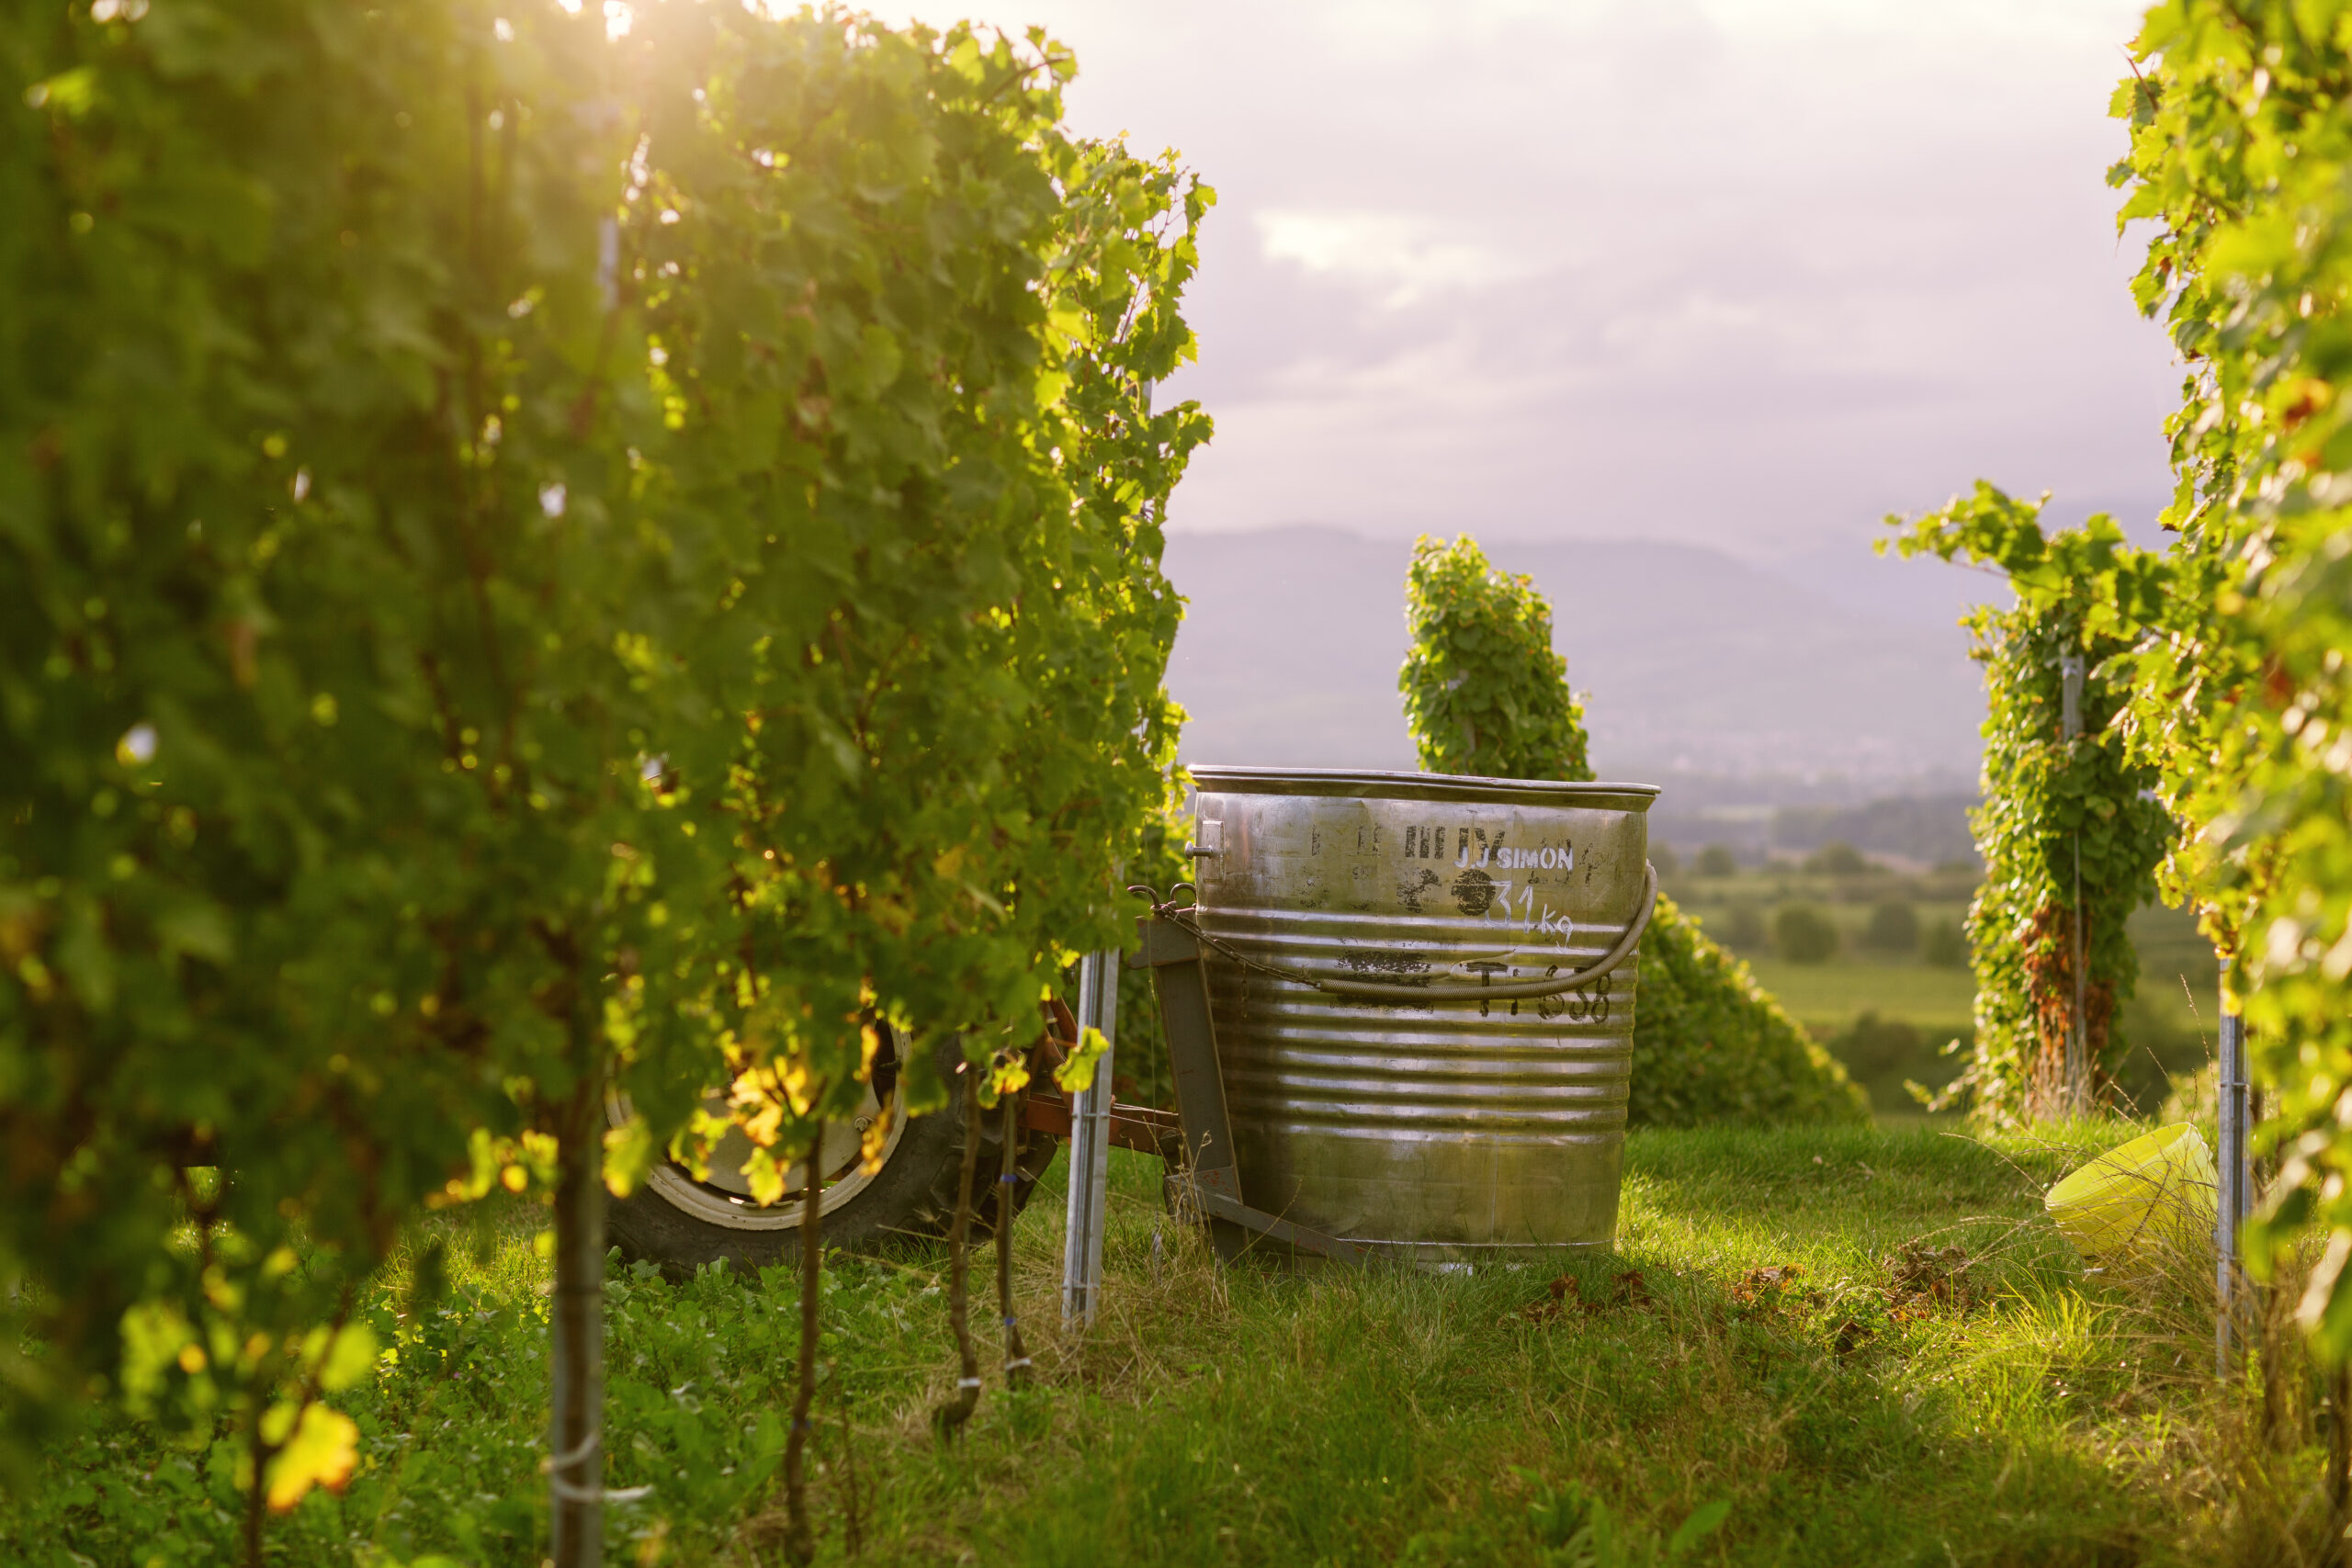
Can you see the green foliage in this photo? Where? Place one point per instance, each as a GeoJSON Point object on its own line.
{"type": "Point", "coordinates": [959, 723]}
{"type": "Point", "coordinates": [1484, 692]}
{"type": "Point", "coordinates": [2295, 820]}
{"type": "Point", "coordinates": [1710, 1045]}
{"type": "Point", "coordinates": [319, 736]}
{"type": "Point", "coordinates": [1803, 934]}
{"type": "Point", "coordinates": [426, 438]}
{"type": "Point", "coordinates": [1894, 927]}
{"type": "Point", "coordinates": [2241, 148]}
{"type": "Point", "coordinates": [2237, 155]}
{"type": "Point", "coordinates": [2069, 832]}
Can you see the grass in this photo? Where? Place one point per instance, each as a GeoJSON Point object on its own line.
{"type": "Point", "coordinates": [2024, 1412]}
{"type": "Point", "coordinates": [1827, 997]}
{"type": "Point", "coordinates": [2168, 1022]}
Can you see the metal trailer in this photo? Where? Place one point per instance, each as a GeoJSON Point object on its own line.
{"type": "Point", "coordinates": [1399, 1021]}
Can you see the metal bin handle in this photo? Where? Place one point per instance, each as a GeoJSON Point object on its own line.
{"type": "Point", "coordinates": [1551, 986]}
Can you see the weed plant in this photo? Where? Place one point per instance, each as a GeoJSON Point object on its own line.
{"type": "Point", "coordinates": [1868, 1343]}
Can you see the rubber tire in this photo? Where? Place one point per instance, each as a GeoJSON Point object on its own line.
{"type": "Point", "coordinates": [913, 1195]}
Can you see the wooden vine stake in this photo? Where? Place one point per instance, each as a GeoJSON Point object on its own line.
{"type": "Point", "coordinates": [576, 1464]}
{"type": "Point", "coordinates": [1016, 1360]}
{"type": "Point", "coordinates": [949, 1418]}
{"type": "Point", "coordinates": [2339, 1466]}
{"type": "Point", "coordinates": [853, 1503]}
{"type": "Point", "coordinates": [801, 1542]}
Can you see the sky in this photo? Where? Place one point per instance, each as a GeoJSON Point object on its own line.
{"type": "Point", "coordinates": [1741, 273]}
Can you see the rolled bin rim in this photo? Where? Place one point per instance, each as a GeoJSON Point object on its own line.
{"type": "Point", "coordinates": [1389, 784]}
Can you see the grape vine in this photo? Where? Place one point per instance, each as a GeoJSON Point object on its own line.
{"type": "Point", "coordinates": [2069, 832]}
{"type": "Point", "coordinates": [2241, 147]}
{"type": "Point", "coordinates": [1485, 693]}
{"type": "Point", "coordinates": [2229, 644]}
{"type": "Point", "coordinates": [531, 560]}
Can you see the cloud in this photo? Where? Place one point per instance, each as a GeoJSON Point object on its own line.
{"type": "Point", "coordinates": [1746, 273]}
{"type": "Point", "coordinates": [1404, 258]}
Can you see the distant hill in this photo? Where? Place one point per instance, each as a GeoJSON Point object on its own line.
{"type": "Point", "coordinates": [1695, 662]}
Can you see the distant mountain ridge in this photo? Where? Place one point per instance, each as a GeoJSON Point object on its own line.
{"type": "Point", "coordinates": [1695, 662]}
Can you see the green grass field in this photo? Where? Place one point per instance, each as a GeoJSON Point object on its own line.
{"type": "Point", "coordinates": [1827, 997]}
{"type": "Point", "coordinates": [1889, 1015]}
{"type": "Point", "coordinates": [2019, 1413]}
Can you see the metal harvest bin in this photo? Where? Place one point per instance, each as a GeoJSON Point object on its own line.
{"type": "Point", "coordinates": [1399, 1011]}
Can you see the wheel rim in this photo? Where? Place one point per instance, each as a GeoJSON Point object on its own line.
{"type": "Point", "coordinates": [724, 1198]}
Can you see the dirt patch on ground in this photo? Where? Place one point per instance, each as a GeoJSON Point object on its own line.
{"type": "Point", "coordinates": [1768, 1286]}
{"type": "Point", "coordinates": [1566, 1295]}
{"type": "Point", "coordinates": [1923, 1280]}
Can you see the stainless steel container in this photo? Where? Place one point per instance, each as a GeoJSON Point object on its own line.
{"type": "Point", "coordinates": [1459, 1127]}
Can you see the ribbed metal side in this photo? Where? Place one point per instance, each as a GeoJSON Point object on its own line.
{"type": "Point", "coordinates": [1298, 1057]}
{"type": "Point", "coordinates": [1456, 1128]}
